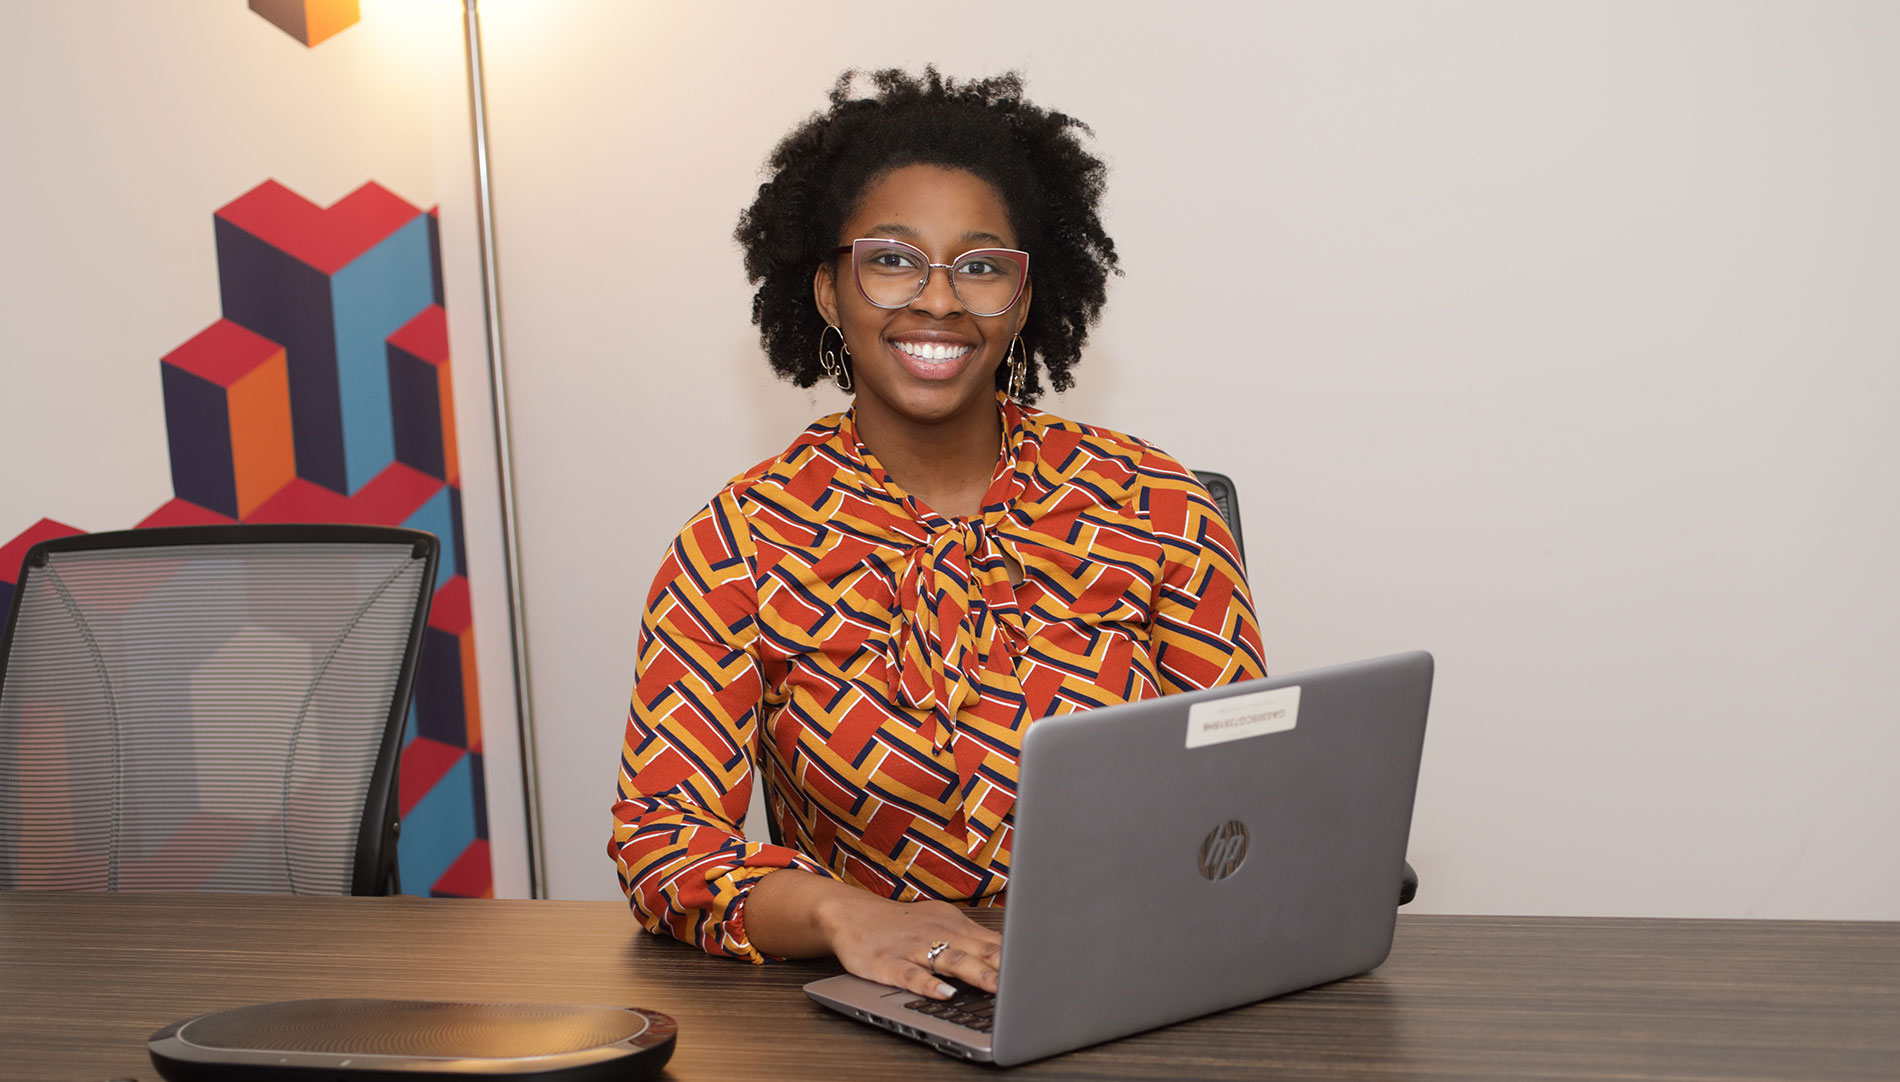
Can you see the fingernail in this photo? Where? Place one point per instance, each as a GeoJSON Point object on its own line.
{"type": "Point", "coordinates": [946, 990]}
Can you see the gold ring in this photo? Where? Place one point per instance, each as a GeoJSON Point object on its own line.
{"type": "Point", "coordinates": [930, 957]}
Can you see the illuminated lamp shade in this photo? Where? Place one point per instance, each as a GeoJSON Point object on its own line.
{"type": "Point", "coordinates": [309, 21]}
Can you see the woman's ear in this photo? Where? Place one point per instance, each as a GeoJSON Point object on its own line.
{"type": "Point", "coordinates": [1022, 306]}
{"type": "Point", "coordinates": [824, 290]}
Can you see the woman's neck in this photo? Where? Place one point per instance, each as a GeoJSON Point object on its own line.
{"type": "Point", "coordinates": [947, 464]}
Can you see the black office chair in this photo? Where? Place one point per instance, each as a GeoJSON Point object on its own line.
{"type": "Point", "coordinates": [213, 708]}
{"type": "Point", "coordinates": [1221, 487]}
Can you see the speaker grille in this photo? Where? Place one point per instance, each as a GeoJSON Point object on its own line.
{"type": "Point", "coordinates": [385, 1027]}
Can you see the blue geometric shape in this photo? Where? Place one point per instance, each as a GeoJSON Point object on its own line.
{"type": "Point", "coordinates": [373, 296]}
{"type": "Point", "coordinates": [436, 830]}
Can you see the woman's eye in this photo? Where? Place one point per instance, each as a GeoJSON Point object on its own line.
{"type": "Point", "coordinates": [979, 268]}
{"type": "Point", "coordinates": [893, 261]}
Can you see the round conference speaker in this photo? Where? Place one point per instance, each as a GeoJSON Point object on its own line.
{"type": "Point", "coordinates": [395, 1040]}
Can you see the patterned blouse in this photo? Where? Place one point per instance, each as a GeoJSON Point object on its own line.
{"type": "Point", "coordinates": [869, 658]}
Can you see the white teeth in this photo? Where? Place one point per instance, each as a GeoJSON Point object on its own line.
{"type": "Point", "coordinates": [933, 351]}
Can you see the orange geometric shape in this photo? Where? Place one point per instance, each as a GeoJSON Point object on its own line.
{"type": "Point", "coordinates": [261, 448]}
{"type": "Point", "coordinates": [309, 21]}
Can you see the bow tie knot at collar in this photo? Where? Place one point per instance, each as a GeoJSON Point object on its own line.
{"type": "Point", "coordinates": [938, 658]}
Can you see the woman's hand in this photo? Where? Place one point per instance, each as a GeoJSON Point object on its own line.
{"type": "Point", "coordinates": [889, 942]}
{"type": "Point", "coordinates": [793, 913]}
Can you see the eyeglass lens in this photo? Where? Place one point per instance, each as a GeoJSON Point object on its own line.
{"type": "Point", "coordinates": [987, 280]}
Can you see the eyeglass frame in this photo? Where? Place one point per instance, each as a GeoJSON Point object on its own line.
{"type": "Point", "coordinates": [930, 268]}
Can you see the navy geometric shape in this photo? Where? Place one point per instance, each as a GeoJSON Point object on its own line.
{"type": "Point", "coordinates": [415, 404]}
{"type": "Point", "coordinates": [455, 523]}
{"type": "Point", "coordinates": [435, 261]}
{"type": "Point", "coordinates": [478, 777]}
{"type": "Point", "coordinates": [440, 715]}
{"type": "Point", "coordinates": [198, 430]}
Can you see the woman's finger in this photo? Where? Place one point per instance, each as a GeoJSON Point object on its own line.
{"type": "Point", "coordinates": [925, 981]}
{"type": "Point", "coordinates": [947, 960]}
{"type": "Point", "coordinates": [909, 974]}
{"type": "Point", "coordinates": [969, 966]}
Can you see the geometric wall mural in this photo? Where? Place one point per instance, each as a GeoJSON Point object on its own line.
{"type": "Point", "coordinates": [323, 395]}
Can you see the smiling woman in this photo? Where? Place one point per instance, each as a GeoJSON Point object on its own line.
{"type": "Point", "coordinates": [924, 365]}
{"type": "Point", "coordinates": [869, 622]}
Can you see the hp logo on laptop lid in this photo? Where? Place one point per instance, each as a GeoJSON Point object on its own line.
{"type": "Point", "coordinates": [1223, 850]}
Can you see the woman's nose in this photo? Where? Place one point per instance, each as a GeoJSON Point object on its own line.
{"type": "Point", "coordinates": [939, 296]}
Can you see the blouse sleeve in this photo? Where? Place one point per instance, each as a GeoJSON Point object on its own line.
{"type": "Point", "coordinates": [1205, 632]}
{"type": "Point", "coordinates": [687, 766]}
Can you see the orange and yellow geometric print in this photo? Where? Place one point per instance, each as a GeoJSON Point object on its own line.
{"type": "Point", "coordinates": [869, 659]}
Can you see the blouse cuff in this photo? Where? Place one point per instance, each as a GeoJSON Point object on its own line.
{"type": "Point", "coordinates": [737, 884]}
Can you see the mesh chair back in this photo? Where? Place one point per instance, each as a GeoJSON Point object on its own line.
{"type": "Point", "coordinates": [209, 709]}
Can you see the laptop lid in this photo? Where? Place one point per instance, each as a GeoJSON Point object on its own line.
{"type": "Point", "coordinates": [1186, 854]}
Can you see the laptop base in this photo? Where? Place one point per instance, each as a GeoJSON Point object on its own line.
{"type": "Point", "coordinates": [883, 1006]}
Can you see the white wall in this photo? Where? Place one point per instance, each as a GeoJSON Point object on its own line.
{"type": "Point", "coordinates": [1560, 340]}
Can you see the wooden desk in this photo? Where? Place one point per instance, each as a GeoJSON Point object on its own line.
{"type": "Point", "coordinates": [85, 979]}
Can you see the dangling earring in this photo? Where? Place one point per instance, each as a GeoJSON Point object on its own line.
{"type": "Point", "coordinates": [1018, 367]}
{"type": "Point", "coordinates": [833, 361]}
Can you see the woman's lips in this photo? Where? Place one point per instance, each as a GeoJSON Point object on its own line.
{"type": "Point", "coordinates": [932, 360]}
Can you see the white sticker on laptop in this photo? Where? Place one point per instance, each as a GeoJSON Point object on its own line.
{"type": "Point", "coordinates": [1238, 717]}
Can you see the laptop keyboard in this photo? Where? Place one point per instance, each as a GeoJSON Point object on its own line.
{"type": "Point", "coordinates": [970, 1007]}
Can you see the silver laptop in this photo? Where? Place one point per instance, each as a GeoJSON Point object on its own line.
{"type": "Point", "coordinates": [1182, 855]}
